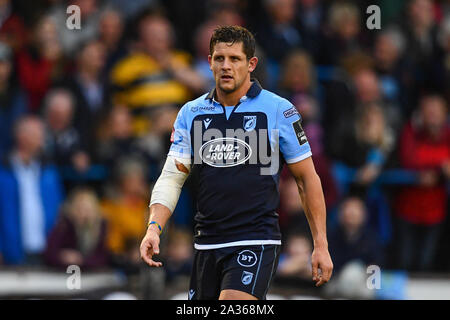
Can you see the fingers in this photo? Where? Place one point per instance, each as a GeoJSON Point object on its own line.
{"type": "Point", "coordinates": [147, 257]}
{"type": "Point", "coordinates": [148, 249]}
{"type": "Point", "coordinates": [321, 281]}
{"type": "Point", "coordinates": [315, 271]}
{"type": "Point", "coordinates": [322, 267]}
{"type": "Point", "coordinates": [153, 263]}
{"type": "Point", "coordinates": [325, 275]}
{"type": "Point", "coordinates": [155, 246]}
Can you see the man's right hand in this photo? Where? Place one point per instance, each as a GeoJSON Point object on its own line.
{"type": "Point", "coordinates": [150, 247]}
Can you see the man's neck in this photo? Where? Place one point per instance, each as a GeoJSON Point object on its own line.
{"type": "Point", "coordinates": [25, 157]}
{"type": "Point", "coordinates": [88, 76]}
{"type": "Point", "coordinates": [232, 98]}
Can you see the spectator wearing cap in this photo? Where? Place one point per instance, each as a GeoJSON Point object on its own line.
{"type": "Point", "coordinates": [30, 196]}
{"type": "Point", "coordinates": [13, 102]}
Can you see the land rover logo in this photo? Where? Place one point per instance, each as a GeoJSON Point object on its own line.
{"type": "Point", "coordinates": [225, 152]}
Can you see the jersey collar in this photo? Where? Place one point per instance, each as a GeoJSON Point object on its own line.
{"type": "Point", "coordinates": [254, 91]}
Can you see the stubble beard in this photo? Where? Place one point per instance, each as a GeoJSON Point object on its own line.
{"type": "Point", "coordinates": [229, 90]}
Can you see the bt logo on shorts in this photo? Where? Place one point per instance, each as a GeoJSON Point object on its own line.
{"type": "Point", "coordinates": [247, 258]}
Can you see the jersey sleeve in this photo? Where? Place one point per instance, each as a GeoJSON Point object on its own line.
{"type": "Point", "coordinates": [181, 137]}
{"type": "Point", "coordinates": [293, 142]}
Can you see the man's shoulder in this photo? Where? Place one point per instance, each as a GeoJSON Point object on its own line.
{"type": "Point", "coordinates": [5, 162]}
{"type": "Point", "coordinates": [274, 98]}
{"type": "Point", "coordinates": [6, 171]}
{"type": "Point", "coordinates": [273, 102]}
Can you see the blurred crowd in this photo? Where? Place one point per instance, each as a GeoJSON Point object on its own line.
{"type": "Point", "coordinates": [86, 116]}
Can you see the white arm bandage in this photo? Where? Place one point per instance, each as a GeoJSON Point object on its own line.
{"type": "Point", "coordinates": [167, 188]}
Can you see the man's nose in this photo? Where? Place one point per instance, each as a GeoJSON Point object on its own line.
{"type": "Point", "coordinates": [226, 64]}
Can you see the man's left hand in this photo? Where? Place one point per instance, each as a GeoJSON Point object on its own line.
{"type": "Point", "coordinates": [321, 261]}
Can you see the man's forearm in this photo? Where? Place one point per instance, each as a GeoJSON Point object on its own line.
{"type": "Point", "coordinates": [310, 190]}
{"type": "Point", "coordinates": [167, 189]}
{"type": "Point", "coordinates": [311, 194]}
{"type": "Point", "coordinates": [160, 214]}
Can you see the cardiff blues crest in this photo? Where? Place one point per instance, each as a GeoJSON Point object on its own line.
{"type": "Point", "coordinates": [246, 277]}
{"type": "Point", "coordinates": [249, 123]}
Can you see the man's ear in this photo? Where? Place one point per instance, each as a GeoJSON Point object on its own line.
{"type": "Point", "coordinates": [209, 61]}
{"type": "Point", "coordinates": [252, 63]}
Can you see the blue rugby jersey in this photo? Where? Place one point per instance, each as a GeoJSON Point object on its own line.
{"type": "Point", "coordinates": [238, 153]}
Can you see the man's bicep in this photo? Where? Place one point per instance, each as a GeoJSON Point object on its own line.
{"type": "Point", "coordinates": [181, 137]}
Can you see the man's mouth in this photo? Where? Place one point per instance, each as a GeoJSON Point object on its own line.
{"type": "Point", "coordinates": [226, 77]}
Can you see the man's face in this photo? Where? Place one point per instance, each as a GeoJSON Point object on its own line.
{"type": "Point", "coordinates": [156, 36]}
{"type": "Point", "coordinates": [352, 214]}
{"type": "Point", "coordinates": [93, 56]}
{"type": "Point", "coordinates": [367, 89]}
{"type": "Point", "coordinates": [433, 113]}
{"type": "Point", "coordinates": [385, 50]}
{"type": "Point", "coordinates": [230, 66]}
{"type": "Point", "coordinates": [59, 114]}
{"type": "Point", "coordinates": [30, 136]}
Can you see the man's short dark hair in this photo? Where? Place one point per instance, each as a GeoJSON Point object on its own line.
{"type": "Point", "coordinates": [233, 34]}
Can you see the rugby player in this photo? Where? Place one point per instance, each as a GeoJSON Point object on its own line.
{"type": "Point", "coordinates": [236, 138]}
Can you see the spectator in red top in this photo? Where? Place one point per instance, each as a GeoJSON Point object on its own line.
{"type": "Point", "coordinates": [37, 64]}
{"type": "Point", "coordinates": [425, 148]}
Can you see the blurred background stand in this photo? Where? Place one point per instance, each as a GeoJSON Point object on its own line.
{"type": "Point", "coordinates": [36, 283]}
